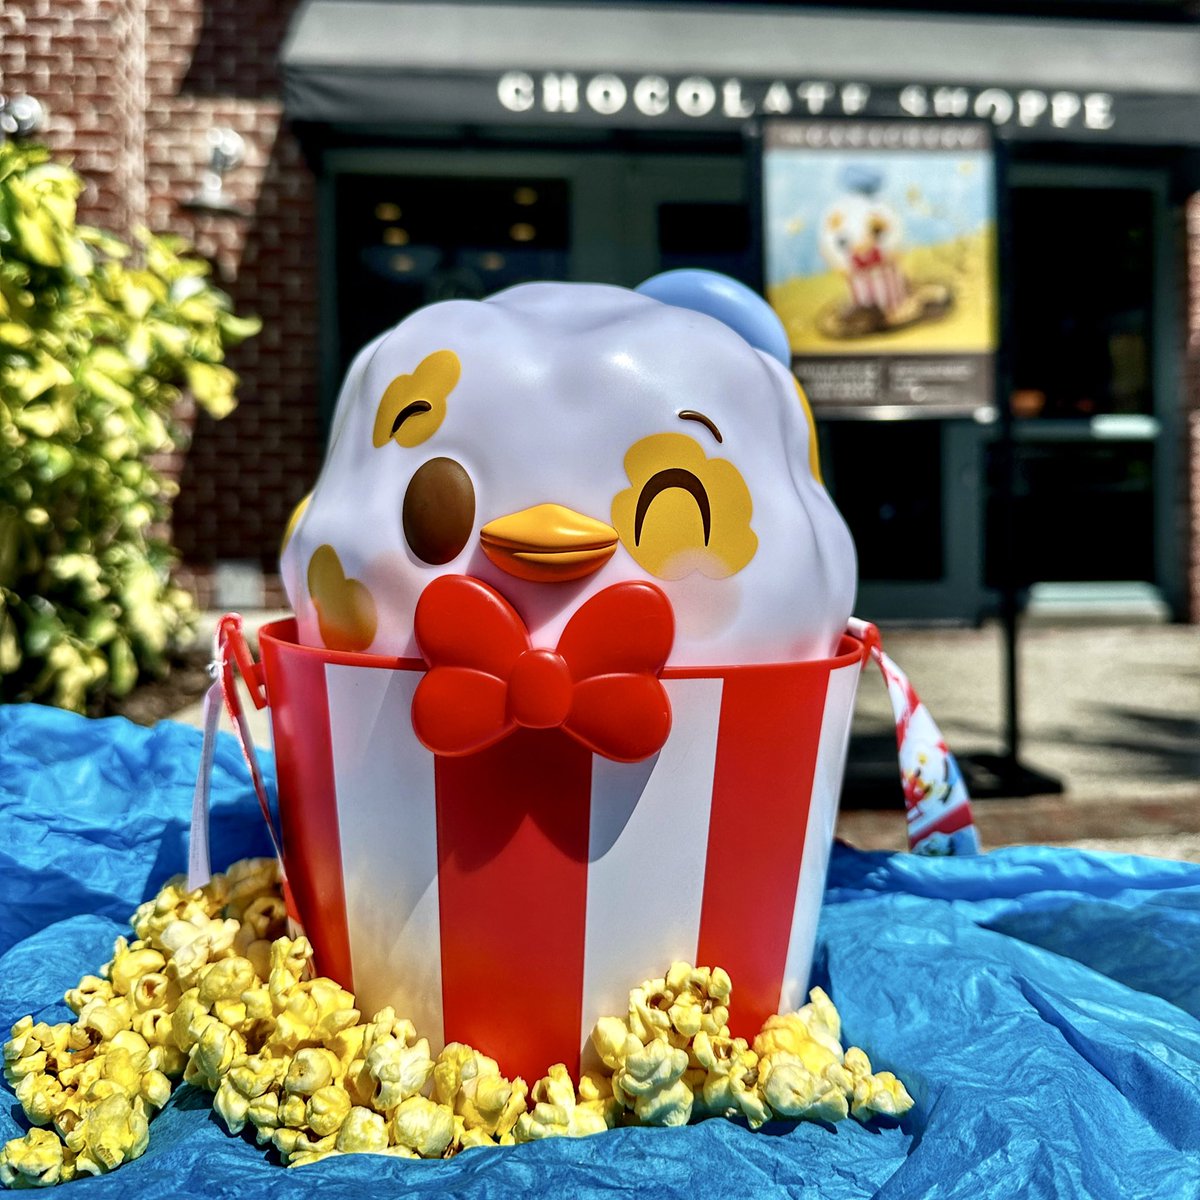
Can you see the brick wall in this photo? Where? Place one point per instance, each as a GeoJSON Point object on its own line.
{"type": "Point", "coordinates": [85, 61]}
{"type": "Point", "coordinates": [214, 64]}
{"type": "Point", "coordinates": [1192, 406]}
{"type": "Point", "coordinates": [133, 88]}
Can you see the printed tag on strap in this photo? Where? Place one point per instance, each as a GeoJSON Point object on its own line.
{"type": "Point", "coordinates": [936, 800]}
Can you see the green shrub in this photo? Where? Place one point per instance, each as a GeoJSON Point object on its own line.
{"type": "Point", "coordinates": [96, 342]}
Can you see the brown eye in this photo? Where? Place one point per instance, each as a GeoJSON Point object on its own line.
{"type": "Point", "coordinates": [439, 511]}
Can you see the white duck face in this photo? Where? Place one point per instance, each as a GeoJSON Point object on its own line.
{"type": "Point", "coordinates": [855, 226]}
{"type": "Point", "coordinates": [556, 439]}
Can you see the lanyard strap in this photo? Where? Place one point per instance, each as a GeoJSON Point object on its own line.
{"type": "Point", "coordinates": [936, 801]}
{"type": "Point", "coordinates": [228, 646]}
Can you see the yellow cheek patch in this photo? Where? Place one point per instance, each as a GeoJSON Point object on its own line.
{"type": "Point", "coordinates": [345, 608]}
{"type": "Point", "coordinates": [293, 521]}
{"type": "Point", "coordinates": [685, 512]}
{"type": "Point", "coordinates": [814, 452]}
{"type": "Point", "coordinates": [413, 406]}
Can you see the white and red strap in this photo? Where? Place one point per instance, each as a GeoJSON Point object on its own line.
{"type": "Point", "coordinates": [936, 801]}
{"type": "Point", "coordinates": [229, 647]}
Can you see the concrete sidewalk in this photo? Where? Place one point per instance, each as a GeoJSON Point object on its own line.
{"type": "Point", "coordinates": [1111, 711]}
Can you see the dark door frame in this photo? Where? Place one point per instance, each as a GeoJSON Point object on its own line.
{"type": "Point", "coordinates": [1164, 428]}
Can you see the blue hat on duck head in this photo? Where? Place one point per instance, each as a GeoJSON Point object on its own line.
{"type": "Point", "coordinates": [728, 301]}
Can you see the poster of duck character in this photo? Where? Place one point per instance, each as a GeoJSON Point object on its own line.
{"type": "Point", "coordinates": [880, 246]}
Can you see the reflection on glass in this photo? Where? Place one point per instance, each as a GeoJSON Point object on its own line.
{"type": "Point", "coordinates": [1082, 300]}
{"type": "Point", "coordinates": [887, 482]}
{"type": "Point", "coordinates": [710, 235]}
{"type": "Point", "coordinates": [462, 238]}
{"type": "Point", "coordinates": [1081, 512]}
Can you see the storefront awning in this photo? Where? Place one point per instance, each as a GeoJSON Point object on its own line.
{"type": "Point", "coordinates": [391, 62]}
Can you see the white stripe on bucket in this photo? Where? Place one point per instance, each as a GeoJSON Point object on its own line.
{"type": "Point", "coordinates": [387, 816]}
{"type": "Point", "coordinates": [818, 840]}
{"type": "Point", "coordinates": [643, 904]}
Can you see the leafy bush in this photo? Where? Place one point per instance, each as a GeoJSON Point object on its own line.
{"type": "Point", "coordinates": [96, 342]}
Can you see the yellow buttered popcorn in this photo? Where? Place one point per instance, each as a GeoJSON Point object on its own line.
{"type": "Point", "coordinates": [363, 1130]}
{"type": "Point", "coordinates": [881, 1094]}
{"type": "Point", "coordinates": [400, 1070]}
{"type": "Point", "coordinates": [791, 1090]}
{"type": "Point", "coordinates": [650, 1081]}
{"type": "Point", "coordinates": [110, 1132]}
{"type": "Point", "coordinates": [804, 1073]}
{"type": "Point", "coordinates": [816, 1022]}
{"type": "Point", "coordinates": [212, 991]}
{"type": "Point", "coordinates": [678, 1006]}
{"type": "Point", "coordinates": [471, 1084]}
{"type": "Point", "coordinates": [558, 1112]}
{"type": "Point", "coordinates": [422, 1126]}
{"type": "Point", "coordinates": [730, 1082]}
{"type": "Point", "coordinates": [39, 1159]}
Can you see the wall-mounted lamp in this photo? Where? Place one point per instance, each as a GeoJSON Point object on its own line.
{"type": "Point", "coordinates": [227, 151]}
{"type": "Point", "coordinates": [20, 116]}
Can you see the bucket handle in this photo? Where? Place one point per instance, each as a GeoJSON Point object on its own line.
{"type": "Point", "coordinates": [230, 633]}
{"type": "Point", "coordinates": [868, 635]}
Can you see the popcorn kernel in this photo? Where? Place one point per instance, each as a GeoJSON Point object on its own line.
{"type": "Point", "coordinates": [363, 1130]}
{"type": "Point", "coordinates": [327, 1110]}
{"type": "Point", "coordinates": [36, 1160]}
{"type": "Point", "coordinates": [423, 1126]}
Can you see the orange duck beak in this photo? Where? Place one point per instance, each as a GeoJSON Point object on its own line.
{"type": "Point", "coordinates": [548, 543]}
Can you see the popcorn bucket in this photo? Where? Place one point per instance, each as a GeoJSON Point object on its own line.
{"type": "Point", "coordinates": [880, 285]}
{"type": "Point", "coordinates": [511, 897]}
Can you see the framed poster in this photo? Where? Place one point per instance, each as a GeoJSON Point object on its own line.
{"type": "Point", "coordinates": [880, 246]}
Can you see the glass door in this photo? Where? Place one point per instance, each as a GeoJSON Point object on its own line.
{"type": "Point", "coordinates": [404, 228]}
{"type": "Point", "coordinates": [686, 210]}
{"type": "Point", "coordinates": [1093, 399]}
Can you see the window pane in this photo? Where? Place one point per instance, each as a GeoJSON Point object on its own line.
{"type": "Point", "coordinates": [407, 241]}
{"type": "Point", "coordinates": [1082, 274]}
{"type": "Point", "coordinates": [886, 479]}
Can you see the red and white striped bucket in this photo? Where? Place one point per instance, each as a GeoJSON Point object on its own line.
{"type": "Point", "coordinates": [878, 285]}
{"type": "Point", "coordinates": [510, 897]}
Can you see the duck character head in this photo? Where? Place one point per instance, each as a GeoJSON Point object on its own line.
{"type": "Point", "coordinates": [558, 438]}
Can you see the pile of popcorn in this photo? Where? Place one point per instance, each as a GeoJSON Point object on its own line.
{"type": "Point", "coordinates": [214, 993]}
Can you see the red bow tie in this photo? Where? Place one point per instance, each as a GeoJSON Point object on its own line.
{"type": "Point", "coordinates": [600, 685]}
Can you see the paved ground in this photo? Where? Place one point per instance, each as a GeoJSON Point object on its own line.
{"type": "Point", "coordinates": [1111, 711]}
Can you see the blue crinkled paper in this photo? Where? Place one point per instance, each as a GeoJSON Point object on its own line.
{"type": "Point", "coordinates": [1041, 1005]}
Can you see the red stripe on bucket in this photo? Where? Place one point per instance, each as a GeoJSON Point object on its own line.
{"type": "Point", "coordinates": [762, 789]}
{"type": "Point", "coordinates": [513, 825]}
{"type": "Point", "coordinates": [308, 805]}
